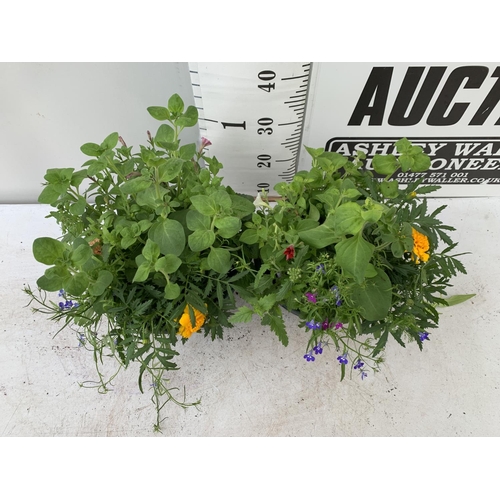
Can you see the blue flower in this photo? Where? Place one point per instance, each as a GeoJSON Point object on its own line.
{"type": "Point", "coordinates": [313, 325]}
{"type": "Point", "coordinates": [363, 375]}
{"type": "Point", "coordinates": [359, 364]}
{"type": "Point", "coordinates": [335, 290]}
{"type": "Point", "coordinates": [320, 268]}
{"type": "Point", "coordinates": [318, 349]}
{"type": "Point", "coordinates": [61, 293]}
{"type": "Point", "coordinates": [309, 356]}
{"type": "Point", "coordinates": [423, 336]}
{"type": "Point", "coordinates": [343, 359]}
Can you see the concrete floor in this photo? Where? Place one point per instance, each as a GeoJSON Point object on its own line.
{"type": "Point", "coordinates": [250, 385]}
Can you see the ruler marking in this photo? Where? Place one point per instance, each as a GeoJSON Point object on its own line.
{"type": "Point", "coordinates": [290, 123]}
{"type": "Point", "coordinates": [289, 159]}
{"type": "Point", "coordinates": [294, 77]}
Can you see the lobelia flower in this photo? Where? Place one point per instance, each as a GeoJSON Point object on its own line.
{"type": "Point", "coordinates": [186, 329]}
{"type": "Point", "coordinates": [309, 357]}
{"type": "Point", "coordinates": [335, 290]}
{"type": "Point", "coordinates": [363, 375]}
{"type": "Point", "coordinates": [343, 359]}
{"type": "Point", "coordinates": [339, 325]}
{"type": "Point", "coordinates": [424, 336]}
{"type": "Point", "coordinates": [359, 364]}
{"type": "Point", "coordinates": [311, 297]}
{"type": "Point", "coordinates": [325, 325]}
{"type": "Point", "coordinates": [313, 325]}
{"type": "Point", "coordinates": [320, 268]}
{"type": "Point", "coordinates": [318, 349]}
{"type": "Point", "coordinates": [289, 252]}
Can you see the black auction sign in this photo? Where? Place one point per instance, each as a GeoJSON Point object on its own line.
{"type": "Point", "coordinates": [450, 110]}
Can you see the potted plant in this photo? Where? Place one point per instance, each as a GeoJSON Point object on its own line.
{"type": "Point", "coordinates": [154, 248]}
{"type": "Point", "coordinates": [356, 256]}
{"type": "Point", "coordinates": [150, 249]}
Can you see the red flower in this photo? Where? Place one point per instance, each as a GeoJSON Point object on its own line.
{"type": "Point", "coordinates": [289, 252]}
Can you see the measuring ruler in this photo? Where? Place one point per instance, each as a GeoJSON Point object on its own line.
{"type": "Point", "coordinates": [254, 116]}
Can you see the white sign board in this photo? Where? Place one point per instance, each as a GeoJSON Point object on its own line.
{"type": "Point", "coordinates": [451, 110]}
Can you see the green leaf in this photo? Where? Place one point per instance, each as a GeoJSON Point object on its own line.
{"type": "Point", "coordinates": [76, 284]}
{"type": "Point", "coordinates": [81, 254]}
{"type": "Point", "coordinates": [458, 299]}
{"type": "Point", "coordinates": [195, 220]}
{"type": "Point", "coordinates": [249, 236]}
{"type": "Point", "coordinates": [275, 320]}
{"type": "Point", "coordinates": [373, 297]}
{"type": "Point", "coordinates": [347, 219]}
{"type": "Point", "coordinates": [189, 118]}
{"type": "Point", "coordinates": [78, 208]}
{"type": "Point", "coordinates": [53, 278]}
{"type": "Point", "coordinates": [165, 133]}
{"type": "Point", "coordinates": [172, 291]}
{"type": "Point", "coordinates": [422, 163]}
{"type": "Point", "coordinates": [151, 250]}
{"type": "Point", "coordinates": [135, 185]}
{"type": "Point", "coordinates": [319, 237]}
{"type": "Point", "coordinates": [228, 226]}
{"type": "Point", "coordinates": [187, 151]}
{"type": "Point", "coordinates": [175, 104]}
{"type": "Point", "coordinates": [385, 165]}
{"type": "Point", "coordinates": [170, 169]}
{"type": "Point", "coordinates": [403, 145]}
{"type": "Point", "coordinates": [201, 239]}
{"type": "Point", "coordinates": [206, 205]}
{"type": "Point", "coordinates": [142, 272]}
{"type": "Point", "coordinates": [406, 161]}
{"type": "Point", "coordinates": [104, 279]}
{"type": "Point", "coordinates": [219, 259]}
{"type": "Point", "coordinates": [389, 188]}
{"type": "Point", "coordinates": [111, 141]}
{"type": "Point", "coordinates": [168, 264]}
{"type": "Point", "coordinates": [170, 236]}
{"type": "Point", "coordinates": [92, 149]}
{"type": "Point", "coordinates": [48, 250]}
{"type": "Point", "coordinates": [242, 315]}
{"type": "Point", "coordinates": [159, 113]}
{"type": "Point", "coordinates": [50, 194]}
{"type": "Point", "coordinates": [353, 255]}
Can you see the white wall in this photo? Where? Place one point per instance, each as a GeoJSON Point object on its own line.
{"type": "Point", "coordinates": [48, 110]}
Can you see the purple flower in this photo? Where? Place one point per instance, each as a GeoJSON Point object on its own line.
{"type": "Point", "coordinates": [339, 325]}
{"type": "Point", "coordinates": [424, 336]}
{"type": "Point", "coordinates": [61, 293]}
{"type": "Point", "coordinates": [313, 325]}
{"type": "Point", "coordinates": [311, 297]}
{"type": "Point", "coordinates": [318, 349]}
{"type": "Point", "coordinates": [343, 359]}
{"type": "Point", "coordinates": [309, 356]}
{"type": "Point", "coordinates": [359, 364]}
{"type": "Point", "coordinates": [64, 306]}
{"type": "Point", "coordinates": [325, 325]}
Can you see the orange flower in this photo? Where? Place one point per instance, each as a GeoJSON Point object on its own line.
{"type": "Point", "coordinates": [186, 328]}
{"type": "Point", "coordinates": [420, 246]}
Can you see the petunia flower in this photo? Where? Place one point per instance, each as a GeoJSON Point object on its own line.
{"type": "Point", "coordinates": [289, 252]}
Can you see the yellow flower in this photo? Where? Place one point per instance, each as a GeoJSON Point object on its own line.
{"type": "Point", "coordinates": [186, 328]}
{"type": "Point", "coordinates": [420, 246]}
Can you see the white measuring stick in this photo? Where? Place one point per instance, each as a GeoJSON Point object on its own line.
{"type": "Point", "coordinates": [253, 114]}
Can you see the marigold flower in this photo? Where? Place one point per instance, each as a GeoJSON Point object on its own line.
{"type": "Point", "coordinates": [420, 246]}
{"type": "Point", "coordinates": [289, 252]}
{"type": "Point", "coordinates": [186, 328]}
